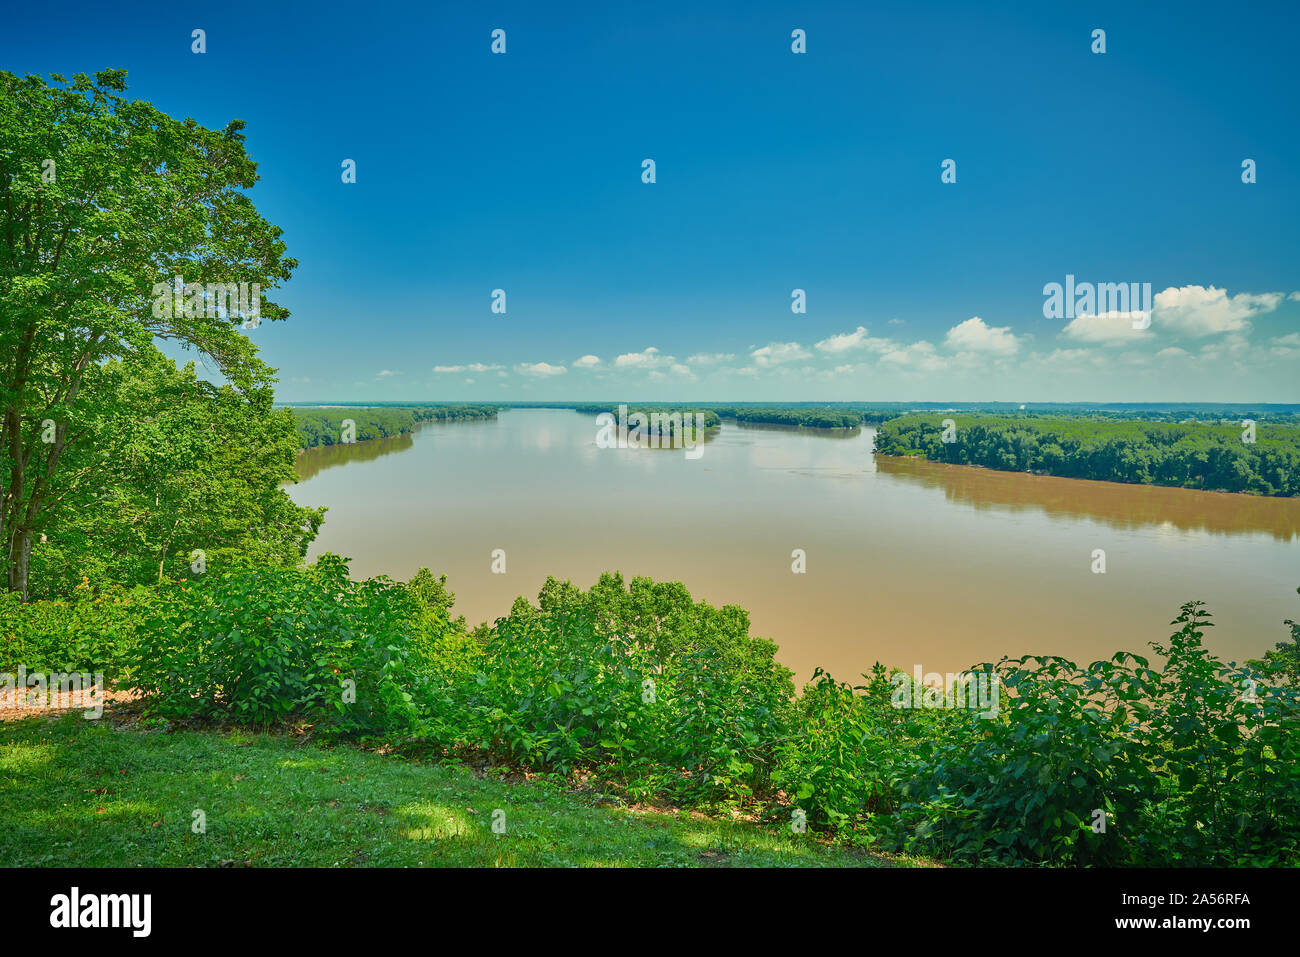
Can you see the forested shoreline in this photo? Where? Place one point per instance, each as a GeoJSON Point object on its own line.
{"type": "Point", "coordinates": [322, 426]}
{"type": "Point", "coordinates": [1179, 448]}
{"type": "Point", "coordinates": [1263, 460]}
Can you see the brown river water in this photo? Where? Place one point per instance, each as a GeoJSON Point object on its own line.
{"type": "Point", "coordinates": [907, 562]}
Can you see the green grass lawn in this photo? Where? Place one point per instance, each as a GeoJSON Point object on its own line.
{"type": "Point", "coordinates": [85, 793]}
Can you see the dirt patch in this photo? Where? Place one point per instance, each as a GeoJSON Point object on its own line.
{"type": "Point", "coordinates": [36, 705]}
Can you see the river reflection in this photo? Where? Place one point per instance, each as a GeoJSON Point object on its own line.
{"type": "Point", "coordinates": [1120, 506]}
{"type": "Point", "coordinates": [312, 461]}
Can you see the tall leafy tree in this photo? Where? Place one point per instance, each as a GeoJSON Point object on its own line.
{"type": "Point", "coordinates": [181, 466]}
{"type": "Point", "coordinates": [103, 198]}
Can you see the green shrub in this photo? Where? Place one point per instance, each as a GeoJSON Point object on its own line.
{"type": "Point", "coordinates": [263, 646]}
{"type": "Point", "coordinates": [1193, 764]}
{"type": "Point", "coordinates": [667, 696]}
{"type": "Point", "coordinates": [851, 749]}
{"type": "Point", "coordinates": [88, 632]}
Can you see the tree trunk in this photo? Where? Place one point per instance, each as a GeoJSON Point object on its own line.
{"type": "Point", "coordinates": [20, 553]}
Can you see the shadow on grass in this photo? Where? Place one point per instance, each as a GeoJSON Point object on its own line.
{"type": "Point", "coordinates": [82, 793]}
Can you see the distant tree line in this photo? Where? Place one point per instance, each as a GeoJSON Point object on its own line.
{"type": "Point", "coordinates": [318, 427]}
{"type": "Point", "coordinates": [793, 414]}
{"type": "Point", "coordinates": [685, 412]}
{"type": "Point", "coordinates": [802, 417]}
{"type": "Point", "coordinates": [1189, 455]}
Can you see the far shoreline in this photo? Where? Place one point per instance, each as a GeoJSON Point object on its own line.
{"type": "Point", "coordinates": [1071, 478]}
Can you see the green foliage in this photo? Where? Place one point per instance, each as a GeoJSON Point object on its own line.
{"type": "Point", "coordinates": [262, 646]}
{"type": "Point", "coordinates": [639, 686]}
{"type": "Point", "coordinates": [667, 695]}
{"type": "Point", "coordinates": [1283, 660]}
{"type": "Point", "coordinates": [87, 632]}
{"type": "Point", "coordinates": [137, 199]}
{"type": "Point", "coordinates": [1193, 764]}
{"type": "Point", "coordinates": [827, 418]}
{"type": "Point", "coordinates": [851, 750]}
{"type": "Point", "coordinates": [666, 418]}
{"type": "Point", "coordinates": [181, 465]}
{"type": "Point", "coordinates": [1191, 455]}
{"type": "Point", "coordinates": [324, 426]}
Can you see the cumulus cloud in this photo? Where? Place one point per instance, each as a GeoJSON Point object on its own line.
{"type": "Point", "coordinates": [586, 362]}
{"type": "Point", "coordinates": [849, 341]}
{"type": "Point", "coordinates": [384, 373]}
{"type": "Point", "coordinates": [775, 353]}
{"type": "Point", "coordinates": [648, 358]}
{"type": "Point", "coordinates": [1196, 311]}
{"type": "Point", "coordinates": [975, 335]}
{"type": "Point", "coordinates": [920, 356]}
{"type": "Point", "coordinates": [1108, 328]}
{"type": "Point", "coordinates": [539, 369]}
{"type": "Point", "coordinates": [710, 358]}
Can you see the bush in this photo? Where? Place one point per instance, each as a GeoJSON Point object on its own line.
{"type": "Point", "coordinates": [88, 632]}
{"type": "Point", "coordinates": [852, 750]}
{"type": "Point", "coordinates": [1193, 764]}
{"type": "Point", "coordinates": [666, 695]}
{"type": "Point", "coordinates": [268, 645]}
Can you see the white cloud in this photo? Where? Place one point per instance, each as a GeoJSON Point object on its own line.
{"type": "Point", "coordinates": [648, 358]}
{"type": "Point", "coordinates": [540, 369]}
{"type": "Point", "coordinates": [1108, 328]}
{"type": "Point", "coordinates": [710, 358]}
{"type": "Point", "coordinates": [586, 362]}
{"type": "Point", "coordinates": [1286, 347]}
{"type": "Point", "coordinates": [774, 353]}
{"type": "Point", "coordinates": [847, 341]}
{"type": "Point", "coordinates": [1196, 311]}
{"type": "Point", "coordinates": [472, 367]}
{"type": "Point", "coordinates": [975, 335]}
{"type": "Point", "coordinates": [1066, 357]}
{"type": "Point", "coordinates": [384, 373]}
{"type": "Point", "coordinates": [1235, 345]}
{"type": "Point", "coordinates": [919, 356]}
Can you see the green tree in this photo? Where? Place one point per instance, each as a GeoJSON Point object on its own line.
{"type": "Point", "coordinates": [178, 465]}
{"type": "Point", "coordinates": [104, 201]}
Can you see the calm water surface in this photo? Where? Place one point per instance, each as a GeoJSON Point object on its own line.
{"type": "Point", "coordinates": [909, 562]}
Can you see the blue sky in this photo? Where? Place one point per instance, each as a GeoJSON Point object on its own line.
{"type": "Point", "coordinates": [775, 171]}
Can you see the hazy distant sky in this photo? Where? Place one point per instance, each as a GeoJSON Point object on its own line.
{"type": "Point", "coordinates": [775, 171]}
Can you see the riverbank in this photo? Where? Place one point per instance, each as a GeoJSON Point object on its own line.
{"type": "Point", "coordinates": [1253, 457]}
